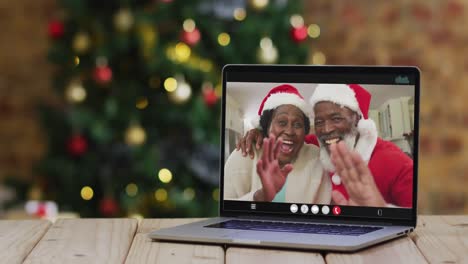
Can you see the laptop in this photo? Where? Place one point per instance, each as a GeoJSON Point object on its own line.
{"type": "Point", "coordinates": [299, 220]}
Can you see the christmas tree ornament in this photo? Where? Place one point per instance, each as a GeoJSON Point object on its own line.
{"type": "Point", "coordinates": [224, 39]}
{"type": "Point", "coordinates": [190, 34]}
{"type": "Point", "coordinates": [209, 95]}
{"type": "Point", "coordinates": [81, 42]}
{"type": "Point", "coordinates": [182, 52]}
{"type": "Point", "coordinates": [87, 193]}
{"type": "Point", "coordinates": [75, 92]}
{"type": "Point", "coordinates": [165, 175]}
{"type": "Point", "coordinates": [239, 14]}
{"type": "Point", "coordinates": [77, 145]}
{"type": "Point", "coordinates": [182, 93]}
{"type": "Point", "coordinates": [296, 21]}
{"type": "Point", "coordinates": [56, 29]}
{"type": "Point", "coordinates": [102, 73]}
{"type": "Point", "coordinates": [135, 135]}
{"type": "Point", "coordinates": [170, 84]}
{"type": "Point", "coordinates": [131, 189]}
{"type": "Point", "coordinates": [318, 58]}
{"type": "Point", "coordinates": [299, 34]}
{"type": "Point", "coordinates": [190, 37]}
{"type": "Point", "coordinates": [41, 209]}
{"type": "Point", "coordinates": [108, 207]}
{"type": "Point", "coordinates": [123, 20]}
{"type": "Point", "coordinates": [258, 4]}
{"type": "Point", "coordinates": [267, 52]}
{"type": "Point", "coordinates": [313, 30]}
{"type": "Point", "coordinates": [189, 194]}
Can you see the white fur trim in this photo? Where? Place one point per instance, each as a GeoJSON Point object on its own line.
{"type": "Point", "coordinates": [367, 138]}
{"type": "Point", "coordinates": [278, 99]}
{"type": "Point", "coordinates": [336, 93]}
{"type": "Point", "coordinates": [325, 160]}
{"type": "Point", "coordinates": [365, 144]}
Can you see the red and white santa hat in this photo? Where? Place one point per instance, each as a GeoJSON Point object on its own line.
{"type": "Point", "coordinates": [282, 95]}
{"type": "Point", "coordinates": [358, 99]}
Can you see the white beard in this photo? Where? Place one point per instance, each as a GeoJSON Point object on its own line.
{"type": "Point", "coordinates": [327, 164]}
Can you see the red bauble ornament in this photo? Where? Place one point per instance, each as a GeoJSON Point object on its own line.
{"type": "Point", "coordinates": [77, 145]}
{"type": "Point", "coordinates": [209, 97]}
{"type": "Point", "coordinates": [41, 210]}
{"type": "Point", "coordinates": [191, 38]}
{"type": "Point", "coordinates": [299, 34]}
{"type": "Point", "coordinates": [56, 29]}
{"type": "Point", "coordinates": [108, 206]}
{"type": "Point", "coordinates": [102, 74]}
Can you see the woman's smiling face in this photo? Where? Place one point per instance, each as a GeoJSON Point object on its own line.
{"type": "Point", "coordinates": [288, 124]}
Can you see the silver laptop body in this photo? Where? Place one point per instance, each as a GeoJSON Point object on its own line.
{"type": "Point", "coordinates": [387, 222]}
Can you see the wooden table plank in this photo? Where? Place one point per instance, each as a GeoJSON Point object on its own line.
{"type": "Point", "coordinates": [270, 256]}
{"type": "Point", "coordinates": [443, 239]}
{"type": "Point", "coordinates": [401, 250]}
{"type": "Point", "coordinates": [85, 241]}
{"type": "Point", "coordinates": [144, 250]}
{"type": "Point", "coordinates": [18, 238]}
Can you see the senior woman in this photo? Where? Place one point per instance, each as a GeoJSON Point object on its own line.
{"type": "Point", "coordinates": [284, 170]}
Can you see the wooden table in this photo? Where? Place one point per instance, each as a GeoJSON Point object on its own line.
{"type": "Point", "coordinates": [438, 239]}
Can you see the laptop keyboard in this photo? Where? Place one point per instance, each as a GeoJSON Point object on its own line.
{"type": "Point", "coordinates": [329, 229]}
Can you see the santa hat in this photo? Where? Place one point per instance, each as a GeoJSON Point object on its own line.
{"type": "Point", "coordinates": [282, 95]}
{"type": "Point", "coordinates": [358, 99]}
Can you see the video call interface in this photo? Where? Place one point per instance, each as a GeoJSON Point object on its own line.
{"type": "Point", "coordinates": [293, 172]}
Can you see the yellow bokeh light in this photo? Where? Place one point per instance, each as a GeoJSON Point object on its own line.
{"type": "Point", "coordinates": [296, 21]}
{"type": "Point", "coordinates": [142, 103]}
{"type": "Point", "coordinates": [76, 60]}
{"type": "Point", "coordinates": [259, 4]}
{"type": "Point", "coordinates": [189, 25]}
{"type": "Point", "coordinates": [170, 84]}
{"type": "Point", "coordinates": [160, 195]}
{"type": "Point", "coordinates": [224, 39]}
{"type": "Point", "coordinates": [313, 31]}
{"type": "Point", "coordinates": [131, 189]}
{"type": "Point", "coordinates": [239, 14]}
{"type": "Point", "coordinates": [182, 52]}
{"type": "Point", "coordinates": [87, 193]}
{"type": "Point", "coordinates": [165, 175]}
{"type": "Point", "coordinates": [135, 135]}
{"type": "Point", "coordinates": [216, 194]}
{"type": "Point", "coordinates": [266, 43]}
{"type": "Point", "coordinates": [189, 194]}
{"type": "Point", "coordinates": [318, 58]}
{"type": "Point", "coordinates": [75, 93]}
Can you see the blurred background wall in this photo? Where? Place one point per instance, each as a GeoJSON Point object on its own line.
{"type": "Point", "coordinates": [428, 34]}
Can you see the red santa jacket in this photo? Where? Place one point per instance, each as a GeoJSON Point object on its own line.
{"type": "Point", "coordinates": [392, 170]}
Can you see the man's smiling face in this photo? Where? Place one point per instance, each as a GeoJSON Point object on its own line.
{"type": "Point", "coordinates": [332, 123]}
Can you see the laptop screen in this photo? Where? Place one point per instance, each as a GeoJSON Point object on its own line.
{"type": "Point", "coordinates": [323, 141]}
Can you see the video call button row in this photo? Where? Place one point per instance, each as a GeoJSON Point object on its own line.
{"type": "Point", "coordinates": [315, 209]}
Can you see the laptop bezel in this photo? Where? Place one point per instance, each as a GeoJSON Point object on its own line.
{"type": "Point", "coordinates": [325, 69]}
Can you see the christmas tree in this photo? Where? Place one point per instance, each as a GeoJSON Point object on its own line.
{"type": "Point", "coordinates": [138, 130]}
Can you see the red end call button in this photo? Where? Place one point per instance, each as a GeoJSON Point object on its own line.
{"type": "Point", "coordinates": [336, 210]}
